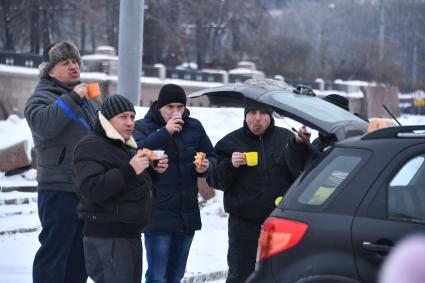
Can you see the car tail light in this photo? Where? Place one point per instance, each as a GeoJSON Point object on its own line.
{"type": "Point", "coordinates": [279, 234]}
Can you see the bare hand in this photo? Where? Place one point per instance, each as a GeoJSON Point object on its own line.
{"type": "Point", "coordinates": [238, 159]}
{"type": "Point", "coordinates": [303, 135]}
{"type": "Point", "coordinates": [204, 166]}
{"type": "Point", "coordinates": [139, 163]}
{"type": "Point", "coordinates": [174, 125]}
{"type": "Point", "coordinates": [81, 90]}
{"type": "Point", "coordinates": [161, 164]}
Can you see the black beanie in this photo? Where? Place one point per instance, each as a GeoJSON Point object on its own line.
{"type": "Point", "coordinates": [171, 93]}
{"type": "Point", "coordinates": [338, 100]}
{"type": "Point", "coordinates": [56, 52]}
{"type": "Point", "coordinates": [114, 105]}
{"type": "Point", "coordinates": [252, 105]}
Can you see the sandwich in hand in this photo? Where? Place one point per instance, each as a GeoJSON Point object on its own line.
{"type": "Point", "coordinates": [149, 153]}
{"type": "Point", "coordinates": [198, 159]}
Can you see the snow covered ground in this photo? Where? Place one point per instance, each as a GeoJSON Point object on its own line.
{"type": "Point", "coordinates": [208, 252]}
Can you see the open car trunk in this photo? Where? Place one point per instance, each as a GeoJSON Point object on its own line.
{"type": "Point", "coordinates": [298, 104]}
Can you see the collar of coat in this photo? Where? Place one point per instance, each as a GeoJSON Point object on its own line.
{"type": "Point", "coordinates": [112, 133]}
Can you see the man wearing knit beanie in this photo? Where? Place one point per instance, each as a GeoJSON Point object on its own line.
{"type": "Point", "coordinates": [252, 105]}
{"type": "Point", "coordinates": [59, 115]}
{"type": "Point", "coordinates": [250, 188]}
{"type": "Point", "coordinates": [338, 100]}
{"type": "Point", "coordinates": [168, 126]}
{"type": "Point", "coordinates": [300, 153]}
{"type": "Point", "coordinates": [171, 93]}
{"type": "Point", "coordinates": [114, 182]}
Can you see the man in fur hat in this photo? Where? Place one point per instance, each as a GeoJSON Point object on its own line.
{"type": "Point", "coordinates": [114, 182]}
{"type": "Point", "coordinates": [59, 114]}
{"type": "Point", "coordinates": [250, 189]}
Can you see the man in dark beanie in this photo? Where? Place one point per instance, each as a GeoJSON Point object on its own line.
{"type": "Point", "coordinates": [338, 100]}
{"type": "Point", "coordinates": [114, 183]}
{"type": "Point", "coordinates": [59, 114]}
{"type": "Point", "coordinates": [299, 153]}
{"type": "Point", "coordinates": [250, 188]}
{"type": "Point", "coordinates": [168, 126]}
{"type": "Point", "coordinates": [171, 93]}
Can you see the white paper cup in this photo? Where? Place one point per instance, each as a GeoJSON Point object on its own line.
{"type": "Point", "coordinates": [176, 114]}
{"type": "Point", "coordinates": [159, 152]}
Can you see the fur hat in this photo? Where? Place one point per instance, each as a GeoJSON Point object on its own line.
{"type": "Point", "coordinates": [171, 93]}
{"type": "Point", "coordinates": [56, 52]}
{"type": "Point", "coordinates": [114, 105]}
{"type": "Point", "coordinates": [252, 105]}
{"type": "Point", "coordinates": [338, 100]}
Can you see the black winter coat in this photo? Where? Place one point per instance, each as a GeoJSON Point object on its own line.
{"type": "Point", "coordinates": [114, 201]}
{"type": "Point", "coordinates": [176, 206]}
{"type": "Point", "coordinates": [58, 118]}
{"type": "Point", "coordinates": [301, 155]}
{"type": "Point", "coordinates": [250, 192]}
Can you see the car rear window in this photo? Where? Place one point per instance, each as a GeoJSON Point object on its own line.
{"type": "Point", "coordinates": [317, 108]}
{"type": "Point", "coordinates": [328, 180]}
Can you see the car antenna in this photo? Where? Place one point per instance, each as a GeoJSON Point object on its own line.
{"type": "Point", "coordinates": [307, 141]}
{"type": "Point", "coordinates": [391, 114]}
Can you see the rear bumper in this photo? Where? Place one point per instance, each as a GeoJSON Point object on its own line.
{"type": "Point", "coordinates": [263, 273]}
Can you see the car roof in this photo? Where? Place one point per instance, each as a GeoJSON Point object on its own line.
{"type": "Point", "coordinates": [390, 135]}
{"type": "Point", "coordinates": [298, 104]}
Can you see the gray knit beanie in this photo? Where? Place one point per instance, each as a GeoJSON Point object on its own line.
{"type": "Point", "coordinates": [56, 52]}
{"type": "Point", "coordinates": [114, 105]}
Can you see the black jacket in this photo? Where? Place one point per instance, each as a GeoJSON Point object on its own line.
{"type": "Point", "coordinates": [114, 201]}
{"type": "Point", "coordinates": [249, 192]}
{"type": "Point", "coordinates": [301, 155]}
{"type": "Point", "coordinates": [58, 118]}
{"type": "Point", "coordinates": [176, 207]}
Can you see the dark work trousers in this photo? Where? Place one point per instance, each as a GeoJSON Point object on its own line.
{"type": "Point", "coordinates": [114, 260]}
{"type": "Point", "coordinates": [60, 259]}
{"type": "Point", "coordinates": [243, 242]}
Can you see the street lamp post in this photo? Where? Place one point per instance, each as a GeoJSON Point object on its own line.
{"type": "Point", "coordinates": [130, 49]}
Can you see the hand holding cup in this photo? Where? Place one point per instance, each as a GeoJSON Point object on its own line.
{"type": "Point", "coordinates": [238, 159]}
{"type": "Point", "coordinates": [175, 123]}
{"type": "Point", "coordinates": [139, 163]}
{"type": "Point", "coordinates": [160, 163]}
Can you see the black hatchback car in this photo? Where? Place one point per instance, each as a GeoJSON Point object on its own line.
{"type": "Point", "coordinates": [340, 219]}
{"type": "Point", "coordinates": [342, 216]}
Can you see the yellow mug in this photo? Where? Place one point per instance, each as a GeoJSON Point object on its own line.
{"type": "Point", "coordinates": [251, 158]}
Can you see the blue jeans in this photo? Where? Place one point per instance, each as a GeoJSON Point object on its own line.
{"type": "Point", "coordinates": [167, 256]}
{"type": "Point", "coordinates": [60, 259]}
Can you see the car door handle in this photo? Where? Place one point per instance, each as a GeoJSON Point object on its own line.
{"type": "Point", "coordinates": [377, 248]}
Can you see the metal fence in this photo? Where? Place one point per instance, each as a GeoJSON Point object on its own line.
{"type": "Point", "coordinates": [193, 75]}
{"type": "Point", "coordinates": [20, 59]}
{"type": "Point", "coordinates": [33, 60]}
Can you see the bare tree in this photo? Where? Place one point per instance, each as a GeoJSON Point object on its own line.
{"type": "Point", "coordinates": [301, 39]}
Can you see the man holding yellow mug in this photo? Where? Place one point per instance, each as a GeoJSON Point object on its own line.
{"type": "Point", "coordinates": [252, 172]}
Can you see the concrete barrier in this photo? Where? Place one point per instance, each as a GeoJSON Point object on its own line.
{"type": "Point", "coordinates": [18, 83]}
